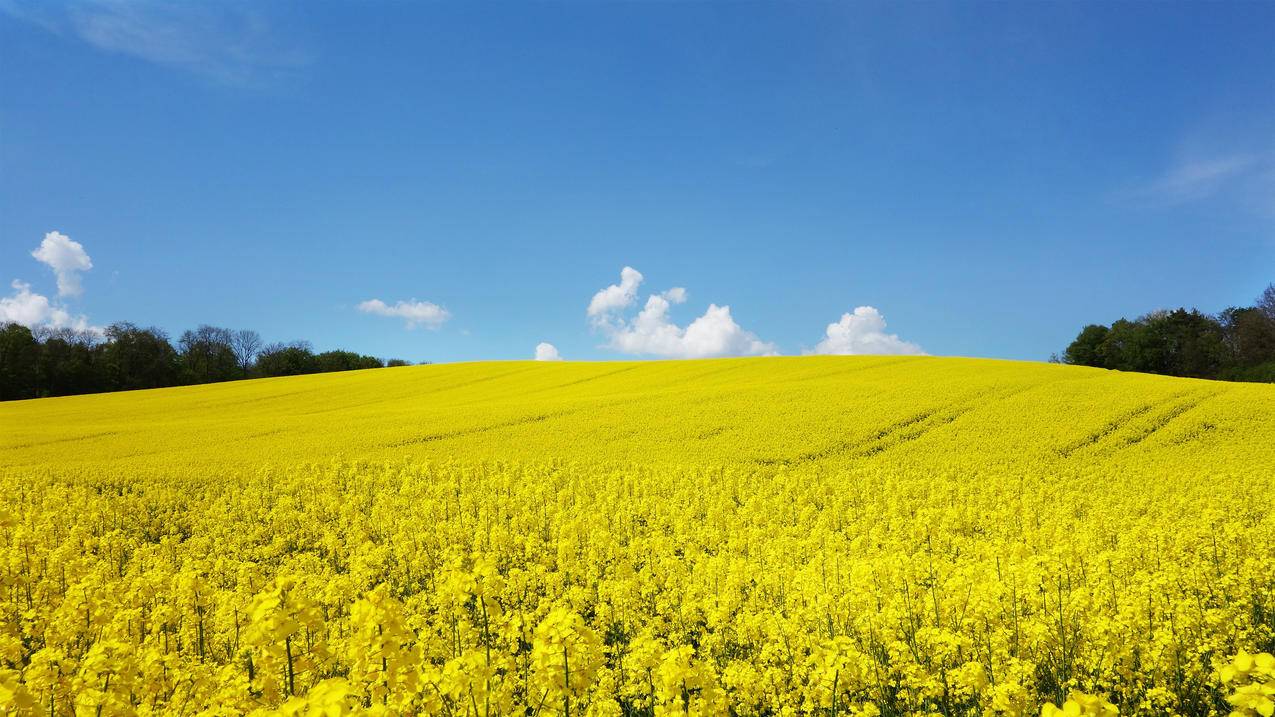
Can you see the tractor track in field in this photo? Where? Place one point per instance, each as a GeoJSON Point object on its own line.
{"type": "Point", "coordinates": [459, 433]}
{"type": "Point", "coordinates": [1169, 408]}
{"type": "Point", "coordinates": [1168, 417]}
{"type": "Point", "coordinates": [579, 381]}
{"type": "Point", "coordinates": [1093, 437]}
{"type": "Point", "coordinates": [901, 431]}
{"type": "Point", "coordinates": [55, 441]}
{"type": "Point", "coordinates": [471, 382]}
{"type": "Point", "coordinates": [912, 430]}
{"type": "Point", "coordinates": [475, 430]}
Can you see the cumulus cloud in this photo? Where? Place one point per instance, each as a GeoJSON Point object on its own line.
{"type": "Point", "coordinates": [24, 306]}
{"type": "Point", "coordinates": [546, 351]}
{"type": "Point", "coordinates": [652, 332]}
{"type": "Point", "coordinates": [863, 332]}
{"type": "Point", "coordinates": [414, 313]}
{"type": "Point", "coordinates": [34, 310]}
{"type": "Point", "coordinates": [616, 296]}
{"type": "Point", "coordinates": [67, 258]}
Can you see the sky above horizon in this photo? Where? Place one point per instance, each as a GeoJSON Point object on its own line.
{"type": "Point", "coordinates": [594, 180]}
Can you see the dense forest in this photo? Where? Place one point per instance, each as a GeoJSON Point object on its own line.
{"type": "Point", "coordinates": [61, 362]}
{"type": "Point", "coordinates": [1235, 345]}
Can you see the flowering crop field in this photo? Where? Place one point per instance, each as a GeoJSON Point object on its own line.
{"type": "Point", "coordinates": [777, 536]}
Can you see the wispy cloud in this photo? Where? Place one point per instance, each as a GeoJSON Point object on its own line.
{"type": "Point", "coordinates": [1246, 177]}
{"type": "Point", "coordinates": [231, 43]}
{"type": "Point", "coordinates": [414, 313]}
{"type": "Point", "coordinates": [1200, 178]}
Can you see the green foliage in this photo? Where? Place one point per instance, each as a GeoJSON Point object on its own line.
{"type": "Point", "coordinates": [1250, 335]}
{"type": "Point", "coordinates": [63, 362]}
{"type": "Point", "coordinates": [208, 355]}
{"type": "Point", "coordinates": [345, 361]}
{"type": "Point", "coordinates": [1238, 344]}
{"type": "Point", "coordinates": [18, 353]}
{"type": "Point", "coordinates": [135, 358]}
{"type": "Point", "coordinates": [292, 359]}
{"type": "Point", "coordinates": [1263, 373]}
{"type": "Point", "coordinates": [66, 363]}
{"type": "Point", "coordinates": [1084, 351]}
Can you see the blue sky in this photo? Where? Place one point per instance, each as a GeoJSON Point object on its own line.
{"type": "Point", "coordinates": [987, 177]}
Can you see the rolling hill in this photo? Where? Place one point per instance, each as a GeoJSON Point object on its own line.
{"type": "Point", "coordinates": [767, 411]}
{"type": "Point", "coordinates": [798, 536]}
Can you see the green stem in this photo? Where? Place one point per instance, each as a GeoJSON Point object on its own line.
{"type": "Point", "coordinates": [566, 680]}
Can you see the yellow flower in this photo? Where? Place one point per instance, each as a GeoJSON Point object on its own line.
{"type": "Point", "coordinates": [1079, 704]}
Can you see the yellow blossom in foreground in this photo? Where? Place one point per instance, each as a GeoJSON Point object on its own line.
{"type": "Point", "coordinates": [1078, 704]}
{"type": "Point", "coordinates": [784, 536]}
{"type": "Point", "coordinates": [1252, 677]}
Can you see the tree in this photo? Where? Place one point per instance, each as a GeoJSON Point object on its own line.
{"type": "Point", "coordinates": [1266, 302]}
{"type": "Point", "coordinates": [208, 355]}
{"type": "Point", "coordinates": [393, 363]}
{"type": "Point", "coordinates": [1237, 344]}
{"type": "Point", "coordinates": [19, 357]}
{"type": "Point", "coordinates": [1249, 335]}
{"type": "Point", "coordinates": [67, 362]}
{"type": "Point", "coordinates": [135, 358]}
{"type": "Point", "coordinates": [345, 361]}
{"type": "Point", "coordinates": [246, 344]}
{"type": "Point", "coordinates": [1128, 346]}
{"type": "Point", "coordinates": [49, 361]}
{"type": "Point", "coordinates": [1084, 351]}
{"type": "Point", "coordinates": [1176, 343]}
{"type": "Point", "coordinates": [1191, 343]}
{"type": "Point", "coordinates": [286, 359]}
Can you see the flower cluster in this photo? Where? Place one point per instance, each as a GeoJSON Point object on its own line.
{"type": "Point", "coordinates": [1252, 679]}
{"type": "Point", "coordinates": [826, 537]}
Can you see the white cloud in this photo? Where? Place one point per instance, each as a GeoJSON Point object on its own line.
{"type": "Point", "coordinates": [232, 43]}
{"type": "Point", "coordinates": [414, 313]}
{"type": "Point", "coordinates": [546, 351]}
{"type": "Point", "coordinates": [616, 296]}
{"type": "Point", "coordinates": [653, 333]}
{"type": "Point", "coordinates": [863, 332]}
{"type": "Point", "coordinates": [24, 306]}
{"type": "Point", "coordinates": [1199, 178]}
{"type": "Point", "coordinates": [34, 310]}
{"type": "Point", "coordinates": [1235, 167]}
{"type": "Point", "coordinates": [67, 258]}
{"type": "Point", "coordinates": [676, 295]}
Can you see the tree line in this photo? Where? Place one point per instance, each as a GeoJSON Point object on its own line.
{"type": "Point", "coordinates": [61, 362]}
{"type": "Point", "coordinates": [1236, 345]}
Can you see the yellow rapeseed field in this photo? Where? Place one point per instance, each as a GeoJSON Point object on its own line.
{"type": "Point", "coordinates": [777, 536]}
